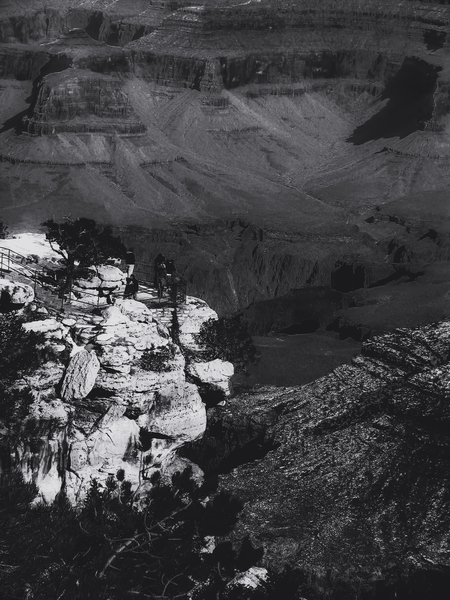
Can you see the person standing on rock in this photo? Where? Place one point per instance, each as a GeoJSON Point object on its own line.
{"type": "Point", "coordinates": [130, 261]}
{"type": "Point", "coordinates": [161, 278]}
{"type": "Point", "coordinates": [131, 288]}
{"type": "Point", "coordinates": [158, 261]}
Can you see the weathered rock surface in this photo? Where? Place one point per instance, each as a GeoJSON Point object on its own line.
{"type": "Point", "coordinates": [252, 579]}
{"type": "Point", "coordinates": [215, 373]}
{"type": "Point", "coordinates": [345, 477]}
{"type": "Point", "coordinates": [106, 410]}
{"type": "Point", "coordinates": [80, 376]}
{"type": "Point", "coordinates": [16, 293]}
{"type": "Point", "coordinates": [106, 277]}
{"type": "Point", "coordinates": [196, 312]}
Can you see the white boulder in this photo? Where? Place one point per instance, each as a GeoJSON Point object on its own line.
{"type": "Point", "coordinates": [51, 328]}
{"type": "Point", "coordinates": [195, 313]}
{"type": "Point", "coordinates": [106, 277]}
{"type": "Point", "coordinates": [114, 316]}
{"type": "Point", "coordinates": [178, 415]}
{"type": "Point", "coordinates": [216, 373]}
{"type": "Point", "coordinates": [17, 293]}
{"type": "Point", "coordinates": [253, 578]}
{"type": "Point", "coordinates": [134, 310]}
{"type": "Point", "coordinates": [80, 375]}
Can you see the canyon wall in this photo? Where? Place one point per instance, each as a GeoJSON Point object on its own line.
{"type": "Point", "coordinates": [291, 118]}
{"type": "Point", "coordinates": [349, 462]}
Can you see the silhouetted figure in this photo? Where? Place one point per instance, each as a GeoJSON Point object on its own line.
{"type": "Point", "coordinates": [170, 264]}
{"type": "Point", "coordinates": [131, 288]}
{"type": "Point", "coordinates": [158, 260]}
{"type": "Point", "coordinates": [130, 261]}
{"type": "Point", "coordinates": [161, 278]}
{"type": "Point", "coordinates": [161, 273]}
{"type": "Point", "coordinates": [173, 283]}
{"type": "Point", "coordinates": [102, 293]}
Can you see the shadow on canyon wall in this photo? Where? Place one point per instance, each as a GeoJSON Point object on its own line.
{"type": "Point", "coordinates": [410, 94]}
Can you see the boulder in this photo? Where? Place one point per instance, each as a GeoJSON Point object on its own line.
{"type": "Point", "coordinates": [174, 465]}
{"type": "Point", "coordinates": [195, 313]}
{"type": "Point", "coordinates": [134, 310]}
{"type": "Point", "coordinates": [13, 292]}
{"type": "Point", "coordinates": [215, 373]}
{"type": "Point", "coordinates": [114, 316]}
{"type": "Point", "coordinates": [252, 579]}
{"type": "Point", "coordinates": [106, 277]}
{"type": "Point", "coordinates": [51, 328]}
{"type": "Point", "coordinates": [80, 375]}
{"type": "Point", "coordinates": [177, 416]}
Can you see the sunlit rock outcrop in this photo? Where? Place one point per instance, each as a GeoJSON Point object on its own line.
{"type": "Point", "coordinates": [121, 401]}
{"type": "Point", "coordinates": [80, 376]}
{"type": "Point", "coordinates": [215, 373]}
{"type": "Point", "coordinates": [106, 277]}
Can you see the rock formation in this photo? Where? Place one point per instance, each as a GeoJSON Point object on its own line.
{"type": "Point", "coordinates": [319, 126]}
{"type": "Point", "coordinates": [15, 293]}
{"type": "Point", "coordinates": [105, 409]}
{"type": "Point", "coordinates": [345, 478]}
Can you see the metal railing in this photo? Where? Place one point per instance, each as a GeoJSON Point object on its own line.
{"type": "Point", "coordinates": [175, 287]}
{"type": "Point", "coordinates": [42, 277]}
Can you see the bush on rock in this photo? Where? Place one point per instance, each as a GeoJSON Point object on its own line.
{"type": "Point", "coordinates": [156, 360]}
{"type": "Point", "coordinates": [228, 339]}
{"type": "Point", "coordinates": [82, 243]}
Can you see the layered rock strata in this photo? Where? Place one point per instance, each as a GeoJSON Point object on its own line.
{"type": "Point", "coordinates": [346, 477]}
{"type": "Point", "coordinates": [294, 117]}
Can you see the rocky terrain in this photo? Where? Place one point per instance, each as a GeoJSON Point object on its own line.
{"type": "Point", "coordinates": [293, 159]}
{"type": "Point", "coordinates": [96, 408]}
{"type": "Point", "coordinates": [346, 477]}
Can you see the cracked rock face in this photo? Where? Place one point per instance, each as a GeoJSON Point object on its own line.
{"type": "Point", "coordinates": [16, 293]}
{"type": "Point", "coordinates": [215, 373]}
{"type": "Point", "coordinates": [104, 411]}
{"type": "Point", "coordinates": [80, 376]}
{"type": "Point", "coordinates": [352, 478]}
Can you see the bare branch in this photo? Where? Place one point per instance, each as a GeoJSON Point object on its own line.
{"type": "Point", "coordinates": [57, 250]}
{"type": "Point", "coordinates": [123, 547]}
{"type": "Point", "coordinates": [170, 581]}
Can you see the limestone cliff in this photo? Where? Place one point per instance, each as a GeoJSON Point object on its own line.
{"type": "Point", "coordinates": [106, 410]}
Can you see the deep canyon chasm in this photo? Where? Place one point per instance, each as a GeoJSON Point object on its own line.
{"type": "Point", "coordinates": [293, 159]}
{"type": "Point", "coordinates": [266, 146]}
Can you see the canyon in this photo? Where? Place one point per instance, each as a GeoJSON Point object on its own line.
{"type": "Point", "coordinates": [313, 130]}
{"type": "Point", "coordinates": [347, 477]}
{"type": "Point", "coordinates": [293, 159]}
